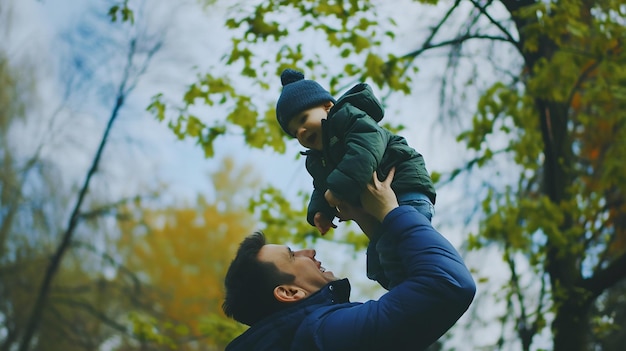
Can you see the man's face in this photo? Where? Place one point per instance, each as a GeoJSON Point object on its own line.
{"type": "Point", "coordinates": [309, 274]}
{"type": "Point", "coordinates": [306, 126]}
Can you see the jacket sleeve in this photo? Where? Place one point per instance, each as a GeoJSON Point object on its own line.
{"type": "Point", "coordinates": [318, 203]}
{"type": "Point", "coordinates": [365, 144]}
{"type": "Point", "coordinates": [415, 313]}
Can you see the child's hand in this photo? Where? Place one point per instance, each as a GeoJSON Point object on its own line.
{"type": "Point", "coordinates": [322, 223]}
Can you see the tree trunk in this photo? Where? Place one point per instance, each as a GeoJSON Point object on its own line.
{"type": "Point", "coordinates": [570, 325]}
{"type": "Point", "coordinates": [571, 301]}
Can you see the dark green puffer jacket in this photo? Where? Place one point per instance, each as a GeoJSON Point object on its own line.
{"type": "Point", "coordinates": [354, 145]}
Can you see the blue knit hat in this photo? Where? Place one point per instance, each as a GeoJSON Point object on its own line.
{"type": "Point", "coordinates": [298, 95]}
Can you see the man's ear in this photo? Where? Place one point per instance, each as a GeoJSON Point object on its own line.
{"type": "Point", "coordinates": [289, 293]}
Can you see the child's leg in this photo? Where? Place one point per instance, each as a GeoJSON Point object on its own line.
{"type": "Point", "coordinates": [420, 202]}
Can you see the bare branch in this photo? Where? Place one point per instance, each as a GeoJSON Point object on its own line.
{"type": "Point", "coordinates": [507, 34]}
{"type": "Point", "coordinates": [94, 312]}
{"type": "Point", "coordinates": [112, 261]}
{"type": "Point", "coordinates": [525, 330]}
{"type": "Point", "coordinates": [456, 41]}
{"type": "Point", "coordinates": [109, 208]}
{"type": "Point", "coordinates": [129, 83]}
{"type": "Point", "coordinates": [607, 277]}
{"type": "Point", "coordinates": [436, 28]}
{"type": "Point", "coordinates": [44, 290]}
{"type": "Point", "coordinates": [469, 165]}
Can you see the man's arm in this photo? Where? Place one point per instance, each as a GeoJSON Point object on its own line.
{"type": "Point", "coordinates": [346, 212]}
{"type": "Point", "coordinates": [377, 200]}
{"type": "Point", "coordinates": [414, 314]}
{"type": "Point", "coordinates": [369, 224]}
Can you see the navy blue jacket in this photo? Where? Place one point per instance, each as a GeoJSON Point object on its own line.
{"type": "Point", "coordinates": [411, 316]}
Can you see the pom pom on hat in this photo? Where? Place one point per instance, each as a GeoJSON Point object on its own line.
{"type": "Point", "coordinates": [290, 76]}
{"type": "Point", "coordinates": [298, 95]}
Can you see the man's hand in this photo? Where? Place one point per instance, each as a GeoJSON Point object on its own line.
{"type": "Point", "coordinates": [378, 199]}
{"type": "Point", "coordinates": [368, 223]}
{"type": "Point", "coordinates": [345, 211]}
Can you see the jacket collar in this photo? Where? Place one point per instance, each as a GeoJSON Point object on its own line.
{"type": "Point", "coordinates": [337, 291]}
{"type": "Point", "coordinates": [362, 97]}
{"type": "Point", "coordinates": [273, 331]}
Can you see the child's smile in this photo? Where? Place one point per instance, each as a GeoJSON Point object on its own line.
{"type": "Point", "coordinates": [307, 127]}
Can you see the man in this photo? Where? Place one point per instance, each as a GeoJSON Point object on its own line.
{"type": "Point", "coordinates": [292, 303]}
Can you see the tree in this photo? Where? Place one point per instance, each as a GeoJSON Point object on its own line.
{"type": "Point", "coordinates": [28, 200]}
{"type": "Point", "coordinates": [608, 315]}
{"type": "Point", "coordinates": [33, 200]}
{"type": "Point", "coordinates": [48, 273]}
{"type": "Point", "coordinates": [182, 254]}
{"type": "Point", "coordinates": [125, 87]}
{"type": "Point", "coordinates": [564, 214]}
{"type": "Point", "coordinates": [553, 116]}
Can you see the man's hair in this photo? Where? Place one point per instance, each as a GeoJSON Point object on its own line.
{"type": "Point", "coordinates": [250, 283]}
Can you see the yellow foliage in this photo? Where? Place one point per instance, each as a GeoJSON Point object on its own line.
{"type": "Point", "coordinates": [185, 252]}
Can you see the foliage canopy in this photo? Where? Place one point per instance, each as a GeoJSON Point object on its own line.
{"type": "Point", "coordinates": [554, 116]}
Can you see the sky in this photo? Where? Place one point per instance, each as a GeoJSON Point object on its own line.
{"type": "Point", "coordinates": [143, 152]}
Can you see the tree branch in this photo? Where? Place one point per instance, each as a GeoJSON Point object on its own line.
{"type": "Point", "coordinates": [94, 312]}
{"type": "Point", "coordinates": [483, 10]}
{"type": "Point", "coordinates": [108, 258]}
{"type": "Point", "coordinates": [55, 261]}
{"type": "Point", "coordinates": [435, 29]}
{"type": "Point", "coordinates": [427, 44]}
{"type": "Point", "coordinates": [580, 80]}
{"type": "Point", "coordinates": [458, 40]}
{"type": "Point", "coordinates": [514, 5]}
{"type": "Point", "coordinates": [469, 165]}
{"type": "Point", "coordinates": [44, 290]}
{"type": "Point", "coordinates": [108, 208]}
{"type": "Point", "coordinates": [525, 330]}
{"type": "Point", "coordinates": [607, 277]}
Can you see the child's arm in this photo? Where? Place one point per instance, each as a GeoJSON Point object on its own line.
{"type": "Point", "coordinates": [318, 204]}
{"type": "Point", "coordinates": [365, 144]}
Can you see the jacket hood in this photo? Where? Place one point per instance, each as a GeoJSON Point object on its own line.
{"type": "Point", "coordinates": [362, 97]}
{"type": "Point", "coordinates": [276, 332]}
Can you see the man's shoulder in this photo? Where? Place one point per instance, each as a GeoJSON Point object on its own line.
{"type": "Point", "coordinates": [290, 326]}
{"type": "Point", "coordinates": [272, 333]}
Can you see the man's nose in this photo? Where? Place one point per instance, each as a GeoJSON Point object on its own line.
{"type": "Point", "coordinates": [306, 252]}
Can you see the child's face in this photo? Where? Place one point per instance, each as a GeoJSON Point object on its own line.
{"type": "Point", "coordinates": [306, 126]}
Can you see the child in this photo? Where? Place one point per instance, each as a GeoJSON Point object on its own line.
{"type": "Point", "coordinates": [345, 146]}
